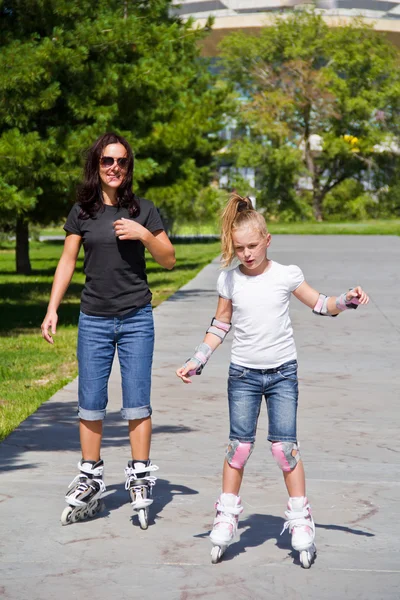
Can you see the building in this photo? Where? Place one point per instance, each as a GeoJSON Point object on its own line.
{"type": "Point", "coordinates": [251, 15]}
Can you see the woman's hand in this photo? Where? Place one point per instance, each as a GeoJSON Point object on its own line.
{"type": "Point", "coordinates": [358, 295]}
{"type": "Point", "coordinates": [126, 229]}
{"type": "Point", "coordinates": [50, 321]}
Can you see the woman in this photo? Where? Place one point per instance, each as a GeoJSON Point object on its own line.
{"type": "Point", "coordinates": [114, 227]}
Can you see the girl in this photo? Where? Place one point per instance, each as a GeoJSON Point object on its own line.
{"type": "Point", "coordinates": [255, 296]}
{"type": "Point", "coordinates": [115, 227]}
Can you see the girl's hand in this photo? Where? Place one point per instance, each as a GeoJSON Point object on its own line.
{"type": "Point", "coordinates": [125, 229]}
{"type": "Point", "coordinates": [50, 321]}
{"type": "Point", "coordinates": [183, 371]}
{"type": "Point", "coordinates": [357, 294]}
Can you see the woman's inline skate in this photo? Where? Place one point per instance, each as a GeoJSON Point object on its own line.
{"type": "Point", "coordinates": [139, 484]}
{"type": "Point", "coordinates": [85, 492]}
{"type": "Point", "coordinates": [302, 529]}
{"type": "Point", "coordinates": [224, 531]}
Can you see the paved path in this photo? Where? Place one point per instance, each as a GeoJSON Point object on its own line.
{"type": "Point", "coordinates": [349, 428]}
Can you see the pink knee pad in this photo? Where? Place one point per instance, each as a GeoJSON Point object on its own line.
{"type": "Point", "coordinates": [282, 453]}
{"type": "Point", "coordinates": [238, 453]}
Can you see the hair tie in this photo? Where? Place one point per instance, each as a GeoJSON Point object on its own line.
{"type": "Point", "coordinates": [242, 205]}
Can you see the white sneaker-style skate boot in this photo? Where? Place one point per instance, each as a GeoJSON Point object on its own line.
{"type": "Point", "coordinates": [225, 525]}
{"type": "Point", "coordinates": [139, 484]}
{"type": "Point", "coordinates": [302, 529]}
{"type": "Point", "coordinates": [84, 492]}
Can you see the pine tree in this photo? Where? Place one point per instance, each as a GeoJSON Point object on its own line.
{"type": "Point", "coordinates": [71, 70]}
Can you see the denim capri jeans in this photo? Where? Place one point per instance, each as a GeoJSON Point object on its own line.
{"type": "Point", "coordinates": [246, 389]}
{"type": "Point", "coordinates": [98, 338]}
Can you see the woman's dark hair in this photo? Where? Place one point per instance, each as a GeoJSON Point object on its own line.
{"type": "Point", "coordinates": [90, 195]}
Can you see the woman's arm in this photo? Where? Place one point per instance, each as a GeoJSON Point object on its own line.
{"type": "Point", "coordinates": [309, 296]}
{"type": "Point", "coordinates": [160, 247]}
{"type": "Point", "coordinates": [157, 243]}
{"type": "Point", "coordinates": [224, 315]}
{"type": "Point", "coordinates": [62, 278]}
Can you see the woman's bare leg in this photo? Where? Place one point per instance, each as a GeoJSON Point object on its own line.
{"type": "Point", "coordinates": [140, 438]}
{"type": "Point", "coordinates": [90, 433]}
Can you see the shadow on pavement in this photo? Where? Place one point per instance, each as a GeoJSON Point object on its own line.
{"type": "Point", "coordinates": [258, 529]}
{"type": "Point", "coordinates": [183, 295]}
{"type": "Point", "coordinates": [54, 428]}
{"type": "Point", "coordinates": [117, 496]}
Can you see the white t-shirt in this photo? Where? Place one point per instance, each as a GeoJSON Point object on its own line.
{"type": "Point", "coordinates": [263, 334]}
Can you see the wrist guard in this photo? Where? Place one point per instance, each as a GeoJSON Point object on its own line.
{"type": "Point", "coordinates": [201, 356]}
{"type": "Point", "coordinates": [343, 304]}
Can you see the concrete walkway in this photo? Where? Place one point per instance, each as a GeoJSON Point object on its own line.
{"type": "Point", "coordinates": [348, 426]}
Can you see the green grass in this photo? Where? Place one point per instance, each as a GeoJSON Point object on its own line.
{"type": "Point", "coordinates": [54, 231]}
{"type": "Point", "coordinates": [30, 369]}
{"type": "Point", "coordinates": [370, 227]}
{"type": "Point", "coordinates": [373, 227]}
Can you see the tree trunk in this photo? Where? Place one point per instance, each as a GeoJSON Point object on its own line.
{"type": "Point", "coordinates": [23, 263]}
{"type": "Point", "coordinates": [317, 206]}
{"type": "Point", "coordinates": [312, 168]}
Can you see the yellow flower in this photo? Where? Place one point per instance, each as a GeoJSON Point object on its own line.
{"type": "Point", "coordinates": [353, 141]}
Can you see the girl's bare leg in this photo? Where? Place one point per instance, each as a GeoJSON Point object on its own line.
{"type": "Point", "coordinates": [295, 481]}
{"type": "Point", "coordinates": [231, 479]}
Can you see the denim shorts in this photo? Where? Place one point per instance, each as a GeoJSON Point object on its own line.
{"type": "Point", "coordinates": [98, 337]}
{"type": "Point", "coordinates": [246, 389]}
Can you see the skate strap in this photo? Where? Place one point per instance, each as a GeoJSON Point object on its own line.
{"type": "Point", "coordinates": [142, 469]}
{"type": "Point", "coordinates": [133, 481]}
{"type": "Point", "coordinates": [85, 483]}
{"type": "Point", "coordinates": [231, 510]}
{"type": "Point", "coordinates": [90, 470]}
{"type": "Point", "coordinates": [224, 518]}
{"type": "Point", "coordinates": [298, 519]}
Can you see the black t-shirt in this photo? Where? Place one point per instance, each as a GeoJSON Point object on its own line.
{"type": "Point", "coordinates": [116, 281]}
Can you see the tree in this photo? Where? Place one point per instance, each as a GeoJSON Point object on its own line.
{"type": "Point", "coordinates": [319, 101]}
{"type": "Point", "coordinates": [70, 70]}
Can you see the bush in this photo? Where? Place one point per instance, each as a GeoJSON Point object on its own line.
{"type": "Point", "coordinates": [389, 201]}
{"type": "Point", "coordinates": [300, 209]}
{"type": "Point", "coordinates": [349, 201]}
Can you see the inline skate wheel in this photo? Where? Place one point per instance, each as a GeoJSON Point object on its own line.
{"type": "Point", "coordinates": [66, 516]}
{"type": "Point", "coordinates": [216, 554]}
{"type": "Point", "coordinates": [307, 557]}
{"type": "Point", "coordinates": [76, 515]}
{"type": "Point", "coordinates": [143, 515]}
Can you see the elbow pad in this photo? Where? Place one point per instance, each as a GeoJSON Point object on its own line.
{"type": "Point", "coordinates": [321, 307]}
{"type": "Point", "coordinates": [219, 329]}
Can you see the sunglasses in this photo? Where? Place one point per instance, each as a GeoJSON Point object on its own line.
{"type": "Point", "coordinates": [109, 161]}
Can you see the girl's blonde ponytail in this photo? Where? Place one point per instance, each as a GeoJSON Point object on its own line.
{"type": "Point", "coordinates": [239, 211]}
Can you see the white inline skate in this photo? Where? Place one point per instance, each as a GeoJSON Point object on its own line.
{"type": "Point", "coordinates": [84, 493]}
{"type": "Point", "coordinates": [139, 484]}
{"type": "Point", "coordinates": [224, 531]}
{"type": "Point", "coordinates": [302, 529]}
